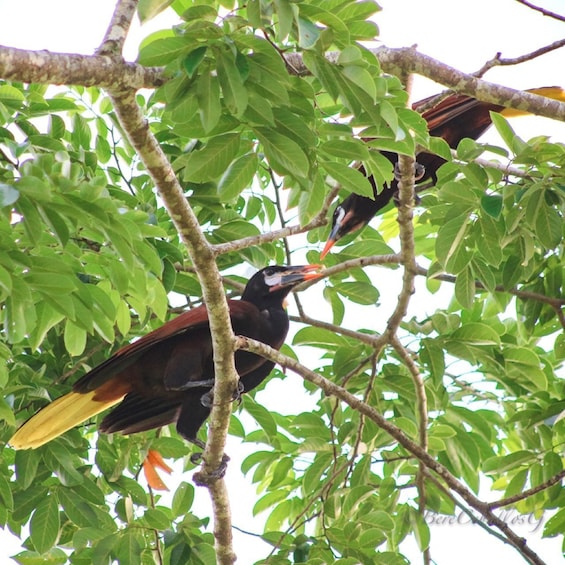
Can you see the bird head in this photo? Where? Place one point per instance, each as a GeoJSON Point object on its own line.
{"type": "Point", "coordinates": [271, 285]}
{"type": "Point", "coordinates": [346, 219]}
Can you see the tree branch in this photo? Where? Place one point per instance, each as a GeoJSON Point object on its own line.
{"type": "Point", "coordinates": [332, 389]}
{"type": "Point", "coordinates": [44, 67]}
{"type": "Point", "coordinates": [117, 31]}
{"type": "Point", "coordinates": [525, 494]}
{"type": "Point", "coordinates": [408, 60]}
{"type": "Point", "coordinates": [203, 259]}
{"type": "Point", "coordinates": [498, 61]}
{"type": "Point", "coordinates": [542, 10]}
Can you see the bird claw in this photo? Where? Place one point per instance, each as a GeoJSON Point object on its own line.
{"type": "Point", "coordinates": [207, 399]}
{"type": "Point", "coordinates": [419, 171]}
{"type": "Point", "coordinates": [238, 392]}
{"type": "Point", "coordinates": [203, 478]}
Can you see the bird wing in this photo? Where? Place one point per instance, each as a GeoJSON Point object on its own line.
{"type": "Point", "coordinates": [192, 320]}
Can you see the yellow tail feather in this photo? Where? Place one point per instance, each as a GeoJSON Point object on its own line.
{"type": "Point", "coordinates": [553, 92]}
{"type": "Point", "coordinates": [58, 417]}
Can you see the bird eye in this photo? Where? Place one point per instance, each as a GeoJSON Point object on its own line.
{"type": "Point", "coordinates": [339, 213]}
{"type": "Point", "coordinates": [269, 272]}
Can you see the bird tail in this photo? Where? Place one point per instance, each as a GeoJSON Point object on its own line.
{"type": "Point", "coordinates": [58, 417]}
{"type": "Point", "coordinates": [553, 92]}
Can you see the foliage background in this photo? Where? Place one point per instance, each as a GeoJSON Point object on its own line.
{"type": "Point", "coordinates": [72, 210]}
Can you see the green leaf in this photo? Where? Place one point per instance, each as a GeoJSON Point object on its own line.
{"type": "Point", "coordinates": [5, 281]}
{"type": "Point", "coordinates": [311, 199]}
{"type": "Point", "coordinates": [162, 51]}
{"type": "Point", "coordinates": [237, 177]}
{"type": "Point", "coordinates": [129, 546]}
{"type": "Point", "coordinates": [549, 225]}
{"type": "Point", "coordinates": [27, 464]}
{"type": "Point", "coordinates": [269, 500]}
{"type": "Point", "coordinates": [210, 162]}
{"type": "Point", "coordinates": [193, 60]}
{"type": "Point", "coordinates": [208, 95]}
{"type": "Point", "coordinates": [157, 518]}
{"type": "Point", "coordinates": [261, 415]}
{"type": "Point", "coordinates": [308, 33]}
{"type": "Point", "coordinates": [477, 334]}
{"type": "Point", "coordinates": [555, 525]}
{"type": "Point", "coordinates": [78, 511]}
{"type": "Point", "coordinates": [317, 337]}
{"type": "Point", "coordinates": [515, 144]}
{"type": "Point", "coordinates": [9, 93]}
{"type": "Point", "coordinates": [231, 81]}
{"type": "Point", "coordinates": [349, 178]}
{"type": "Point", "coordinates": [44, 525]}
{"type": "Point", "coordinates": [433, 356]}
{"type": "Point", "coordinates": [284, 154]}
{"type": "Point", "coordinates": [492, 204]}
{"type": "Point", "coordinates": [352, 149]}
{"type": "Point", "coordinates": [508, 462]}
{"type": "Point", "coordinates": [465, 287]}
{"type": "Point", "coordinates": [148, 9]}
{"type": "Point", "coordinates": [182, 499]}
{"type": "Point", "coordinates": [8, 194]}
{"type": "Point", "coordinates": [6, 494]}
{"type": "Point", "coordinates": [450, 245]}
{"type": "Point", "coordinates": [358, 292]}
{"type": "Point", "coordinates": [285, 17]}
{"type": "Point", "coordinates": [75, 338]}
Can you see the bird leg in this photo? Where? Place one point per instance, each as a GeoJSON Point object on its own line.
{"type": "Point", "coordinates": [419, 171]}
{"type": "Point", "coordinates": [207, 399]}
{"type": "Point", "coordinates": [200, 478]}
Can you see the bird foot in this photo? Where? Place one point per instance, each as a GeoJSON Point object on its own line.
{"type": "Point", "coordinates": [419, 171]}
{"type": "Point", "coordinates": [204, 478]}
{"type": "Point", "coordinates": [207, 399]}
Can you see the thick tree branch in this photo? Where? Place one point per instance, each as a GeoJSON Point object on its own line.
{"type": "Point", "coordinates": [117, 31]}
{"type": "Point", "coordinates": [44, 67]}
{"type": "Point", "coordinates": [408, 60]}
{"type": "Point", "coordinates": [202, 257]}
{"type": "Point", "coordinates": [332, 389]}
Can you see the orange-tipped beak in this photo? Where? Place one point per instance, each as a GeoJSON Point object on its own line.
{"type": "Point", "coordinates": [329, 244]}
{"type": "Point", "coordinates": [308, 276]}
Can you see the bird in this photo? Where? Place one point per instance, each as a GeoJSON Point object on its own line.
{"type": "Point", "coordinates": [456, 117]}
{"type": "Point", "coordinates": [167, 375]}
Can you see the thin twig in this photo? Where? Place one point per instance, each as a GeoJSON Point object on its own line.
{"type": "Point", "coordinates": [542, 10]}
{"type": "Point", "coordinates": [527, 493]}
{"type": "Point", "coordinates": [498, 61]}
{"type": "Point", "coordinates": [330, 388]}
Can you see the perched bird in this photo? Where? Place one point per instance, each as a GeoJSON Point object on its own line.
{"type": "Point", "coordinates": [456, 117]}
{"type": "Point", "coordinates": [167, 375]}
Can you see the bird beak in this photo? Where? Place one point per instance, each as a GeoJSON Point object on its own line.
{"type": "Point", "coordinates": [297, 275]}
{"type": "Point", "coordinates": [339, 229]}
{"type": "Point", "coordinates": [329, 244]}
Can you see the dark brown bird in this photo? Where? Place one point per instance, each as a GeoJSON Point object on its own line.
{"type": "Point", "coordinates": [167, 375]}
{"type": "Point", "coordinates": [456, 117]}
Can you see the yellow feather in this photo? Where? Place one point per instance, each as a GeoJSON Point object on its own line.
{"type": "Point", "coordinates": [58, 417]}
{"type": "Point", "coordinates": [553, 92]}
